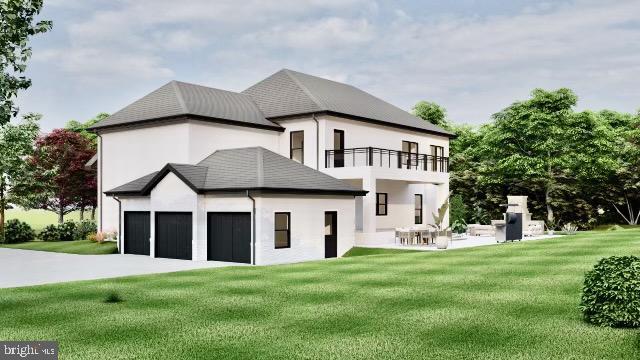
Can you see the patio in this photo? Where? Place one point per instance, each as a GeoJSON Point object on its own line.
{"type": "Point", "coordinates": [466, 242]}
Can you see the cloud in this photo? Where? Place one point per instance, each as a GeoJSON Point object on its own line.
{"type": "Point", "coordinates": [472, 63]}
{"type": "Point", "coordinates": [320, 35]}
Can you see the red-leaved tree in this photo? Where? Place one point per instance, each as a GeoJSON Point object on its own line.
{"type": "Point", "coordinates": [61, 183]}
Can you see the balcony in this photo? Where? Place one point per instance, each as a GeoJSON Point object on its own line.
{"type": "Point", "coordinates": [385, 158]}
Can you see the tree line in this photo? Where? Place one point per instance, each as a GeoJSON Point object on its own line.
{"type": "Point", "coordinates": [48, 171]}
{"type": "Point", "coordinates": [580, 167]}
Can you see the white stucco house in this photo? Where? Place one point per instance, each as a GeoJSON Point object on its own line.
{"type": "Point", "coordinates": [294, 168]}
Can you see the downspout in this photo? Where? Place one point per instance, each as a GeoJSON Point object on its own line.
{"type": "Point", "coordinates": [317, 141]}
{"type": "Point", "coordinates": [100, 180]}
{"type": "Point", "coordinates": [119, 223]}
{"type": "Point", "coordinates": [253, 229]}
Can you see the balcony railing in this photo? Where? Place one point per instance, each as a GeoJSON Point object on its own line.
{"type": "Point", "coordinates": [371, 156]}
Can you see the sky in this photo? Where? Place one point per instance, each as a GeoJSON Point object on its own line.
{"type": "Point", "coordinates": [472, 57]}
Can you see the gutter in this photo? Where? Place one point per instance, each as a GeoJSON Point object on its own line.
{"type": "Point", "coordinates": [119, 223]}
{"type": "Point", "coordinates": [317, 141]}
{"type": "Point", "coordinates": [253, 228]}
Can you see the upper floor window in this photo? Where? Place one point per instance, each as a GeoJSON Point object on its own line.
{"type": "Point", "coordinates": [381, 204]}
{"type": "Point", "coordinates": [409, 154]}
{"type": "Point", "coordinates": [437, 158]}
{"type": "Point", "coordinates": [296, 151]}
{"type": "Point", "coordinates": [282, 230]}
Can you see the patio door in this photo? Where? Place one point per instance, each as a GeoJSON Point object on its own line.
{"type": "Point", "coordinates": [338, 148]}
{"type": "Point", "coordinates": [410, 154]}
{"type": "Point", "coordinates": [330, 234]}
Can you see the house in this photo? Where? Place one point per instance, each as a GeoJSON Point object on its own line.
{"type": "Point", "coordinates": [294, 168]}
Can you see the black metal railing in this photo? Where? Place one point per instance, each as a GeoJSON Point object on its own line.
{"type": "Point", "coordinates": [371, 156]}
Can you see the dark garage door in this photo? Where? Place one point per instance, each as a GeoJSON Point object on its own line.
{"type": "Point", "coordinates": [229, 237]}
{"type": "Point", "coordinates": [137, 230]}
{"type": "Point", "coordinates": [173, 235]}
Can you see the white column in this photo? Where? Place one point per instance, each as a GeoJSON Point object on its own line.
{"type": "Point", "coordinates": [369, 204]}
{"type": "Point", "coordinates": [152, 234]}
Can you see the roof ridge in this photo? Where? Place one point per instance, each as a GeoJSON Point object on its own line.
{"type": "Point", "coordinates": [176, 88]}
{"type": "Point", "coordinates": [304, 89]}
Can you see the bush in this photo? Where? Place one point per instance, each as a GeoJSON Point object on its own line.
{"type": "Point", "coordinates": [84, 228]}
{"type": "Point", "coordinates": [49, 233]}
{"type": "Point", "coordinates": [67, 231]}
{"type": "Point", "coordinates": [16, 231]}
{"type": "Point", "coordinates": [457, 210]}
{"type": "Point", "coordinates": [611, 295]}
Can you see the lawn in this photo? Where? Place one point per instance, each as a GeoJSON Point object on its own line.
{"type": "Point", "coordinates": [84, 247]}
{"type": "Point", "coordinates": [38, 219]}
{"type": "Point", "coordinates": [494, 302]}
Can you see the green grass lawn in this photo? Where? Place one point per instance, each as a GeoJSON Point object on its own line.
{"type": "Point", "coordinates": [508, 301]}
{"type": "Point", "coordinates": [84, 247]}
{"type": "Point", "coordinates": [38, 219]}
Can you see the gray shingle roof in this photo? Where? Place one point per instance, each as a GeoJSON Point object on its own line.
{"type": "Point", "coordinates": [179, 98]}
{"type": "Point", "coordinates": [290, 92]}
{"type": "Point", "coordinates": [253, 168]}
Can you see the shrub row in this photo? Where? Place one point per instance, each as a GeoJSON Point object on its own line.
{"type": "Point", "coordinates": [17, 231]}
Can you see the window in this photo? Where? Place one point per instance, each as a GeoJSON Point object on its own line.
{"type": "Point", "coordinates": [418, 208]}
{"type": "Point", "coordinates": [283, 230]}
{"type": "Point", "coordinates": [437, 155]}
{"type": "Point", "coordinates": [338, 147]}
{"type": "Point", "coordinates": [296, 151]}
{"type": "Point", "coordinates": [381, 204]}
{"type": "Point", "coordinates": [410, 154]}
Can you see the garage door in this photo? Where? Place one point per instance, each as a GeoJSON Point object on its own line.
{"type": "Point", "coordinates": [229, 237]}
{"type": "Point", "coordinates": [137, 230]}
{"type": "Point", "coordinates": [173, 235]}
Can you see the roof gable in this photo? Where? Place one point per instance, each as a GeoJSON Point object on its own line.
{"type": "Point", "coordinates": [288, 92]}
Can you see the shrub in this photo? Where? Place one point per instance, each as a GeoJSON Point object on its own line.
{"type": "Point", "coordinates": [49, 233]}
{"type": "Point", "coordinates": [112, 297]}
{"type": "Point", "coordinates": [16, 231]}
{"type": "Point", "coordinates": [611, 295]}
{"type": "Point", "coordinates": [457, 210]}
{"type": "Point", "coordinates": [84, 228]}
{"type": "Point", "coordinates": [93, 237]}
{"type": "Point", "coordinates": [67, 231]}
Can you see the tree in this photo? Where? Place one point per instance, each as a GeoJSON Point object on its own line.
{"type": "Point", "coordinates": [17, 26]}
{"type": "Point", "coordinates": [16, 143]}
{"type": "Point", "coordinates": [81, 128]}
{"type": "Point", "coordinates": [60, 180]}
{"type": "Point", "coordinates": [432, 112]}
{"type": "Point", "coordinates": [625, 197]}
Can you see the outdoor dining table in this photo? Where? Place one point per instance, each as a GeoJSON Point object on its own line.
{"type": "Point", "coordinates": [415, 236]}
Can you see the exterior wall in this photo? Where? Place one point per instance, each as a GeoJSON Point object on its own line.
{"type": "Point", "coordinates": [307, 227]}
{"type": "Point", "coordinates": [205, 138]}
{"type": "Point", "coordinates": [132, 153]}
{"type": "Point", "coordinates": [308, 125]}
{"type": "Point", "coordinates": [307, 219]}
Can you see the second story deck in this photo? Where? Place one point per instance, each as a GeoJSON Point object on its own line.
{"type": "Point", "coordinates": [385, 158]}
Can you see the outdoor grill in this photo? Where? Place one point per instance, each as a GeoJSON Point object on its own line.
{"type": "Point", "coordinates": [511, 228]}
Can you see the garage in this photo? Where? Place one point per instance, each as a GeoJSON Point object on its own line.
{"type": "Point", "coordinates": [173, 235]}
{"type": "Point", "coordinates": [137, 230]}
{"type": "Point", "coordinates": [229, 236]}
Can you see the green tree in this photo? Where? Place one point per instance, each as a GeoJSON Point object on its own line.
{"type": "Point", "coordinates": [16, 143]}
{"type": "Point", "coordinates": [81, 128]}
{"type": "Point", "coordinates": [16, 27]}
{"type": "Point", "coordinates": [432, 112]}
{"type": "Point", "coordinates": [624, 197]}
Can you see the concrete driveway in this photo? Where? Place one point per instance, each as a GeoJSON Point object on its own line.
{"type": "Point", "coordinates": [28, 267]}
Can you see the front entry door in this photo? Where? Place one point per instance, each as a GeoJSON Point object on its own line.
{"type": "Point", "coordinates": [330, 234]}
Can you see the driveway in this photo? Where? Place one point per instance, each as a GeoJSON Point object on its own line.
{"type": "Point", "coordinates": [28, 267]}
